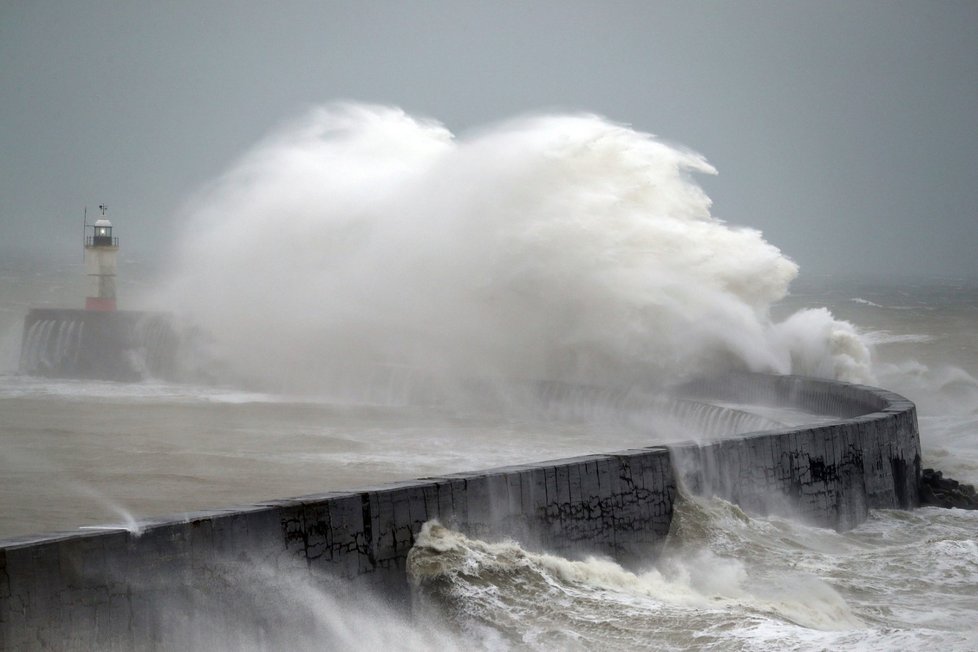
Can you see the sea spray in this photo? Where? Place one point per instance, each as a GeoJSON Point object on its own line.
{"type": "Point", "coordinates": [565, 247]}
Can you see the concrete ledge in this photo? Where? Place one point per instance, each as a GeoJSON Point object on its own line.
{"type": "Point", "coordinates": [116, 589]}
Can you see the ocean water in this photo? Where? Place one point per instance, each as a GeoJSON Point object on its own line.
{"type": "Point", "coordinates": [565, 248]}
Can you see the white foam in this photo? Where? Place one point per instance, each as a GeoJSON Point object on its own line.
{"type": "Point", "coordinates": [694, 580]}
{"type": "Point", "coordinates": [564, 247]}
{"type": "Point", "coordinates": [887, 337]}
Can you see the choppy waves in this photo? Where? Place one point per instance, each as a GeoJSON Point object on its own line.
{"type": "Point", "coordinates": [725, 580]}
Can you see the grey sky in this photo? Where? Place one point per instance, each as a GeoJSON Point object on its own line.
{"type": "Point", "coordinates": [846, 131]}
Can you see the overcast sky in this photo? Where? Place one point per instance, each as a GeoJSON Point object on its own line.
{"type": "Point", "coordinates": [846, 131]}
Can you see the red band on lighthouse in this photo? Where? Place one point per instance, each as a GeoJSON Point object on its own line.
{"type": "Point", "coordinates": [99, 304]}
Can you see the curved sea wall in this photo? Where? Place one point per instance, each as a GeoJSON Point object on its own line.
{"type": "Point", "coordinates": [121, 590]}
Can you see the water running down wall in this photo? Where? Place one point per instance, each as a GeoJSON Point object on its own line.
{"type": "Point", "coordinates": [116, 589]}
{"type": "Point", "coordinates": [122, 345]}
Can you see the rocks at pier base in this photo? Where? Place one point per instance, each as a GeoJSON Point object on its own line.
{"type": "Point", "coordinates": [939, 491]}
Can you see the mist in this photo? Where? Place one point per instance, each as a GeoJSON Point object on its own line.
{"type": "Point", "coordinates": [563, 247]}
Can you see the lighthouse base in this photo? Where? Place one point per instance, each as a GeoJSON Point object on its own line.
{"type": "Point", "coordinates": [98, 304]}
{"type": "Point", "coordinates": [98, 344]}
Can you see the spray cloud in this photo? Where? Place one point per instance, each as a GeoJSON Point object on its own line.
{"type": "Point", "coordinates": [563, 247]}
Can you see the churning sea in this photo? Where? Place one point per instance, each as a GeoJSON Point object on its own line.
{"type": "Point", "coordinates": [84, 454]}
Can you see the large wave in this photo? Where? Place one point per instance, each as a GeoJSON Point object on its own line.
{"type": "Point", "coordinates": [560, 246]}
{"type": "Point", "coordinates": [724, 580]}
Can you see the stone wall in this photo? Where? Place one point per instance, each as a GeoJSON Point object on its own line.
{"type": "Point", "coordinates": [121, 590]}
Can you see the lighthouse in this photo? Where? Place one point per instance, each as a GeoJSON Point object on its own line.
{"type": "Point", "coordinates": [100, 264]}
{"type": "Point", "coordinates": [99, 342]}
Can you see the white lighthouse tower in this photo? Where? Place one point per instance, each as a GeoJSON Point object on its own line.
{"type": "Point", "coordinates": [100, 264]}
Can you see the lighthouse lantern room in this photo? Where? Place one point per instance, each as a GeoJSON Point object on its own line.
{"type": "Point", "coordinates": [100, 264]}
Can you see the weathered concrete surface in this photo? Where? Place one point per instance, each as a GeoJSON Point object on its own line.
{"type": "Point", "coordinates": [117, 590]}
{"type": "Point", "coordinates": [830, 474]}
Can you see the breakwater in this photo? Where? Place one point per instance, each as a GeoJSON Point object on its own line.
{"type": "Point", "coordinates": [129, 590]}
{"type": "Point", "coordinates": [123, 345]}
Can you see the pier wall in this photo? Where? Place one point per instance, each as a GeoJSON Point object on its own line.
{"type": "Point", "coordinates": [124, 345]}
{"type": "Point", "coordinates": [122, 590]}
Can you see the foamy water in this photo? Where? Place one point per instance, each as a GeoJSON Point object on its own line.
{"type": "Point", "coordinates": [725, 581]}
